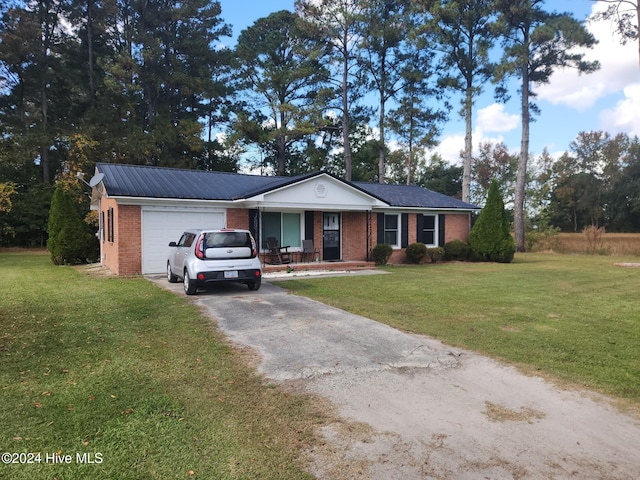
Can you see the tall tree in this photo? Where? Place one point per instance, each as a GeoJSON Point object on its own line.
{"type": "Point", "coordinates": [464, 30]}
{"type": "Point", "coordinates": [626, 16]}
{"type": "Point", "coordinates": [280, 63]}
{"type": "Point", "coordinates": [536, 42]}
{"type": "Point", "coordinates": [35, 95]}
{"type": "Point", "coordinates": [386, 30]}
{"type": "Point", "coordinates": [415, 120]}
{"type": "Point", "coordinates": [339, 24]}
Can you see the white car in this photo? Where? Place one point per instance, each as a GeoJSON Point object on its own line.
{"type": "Point", "coordinates": [203, 257]}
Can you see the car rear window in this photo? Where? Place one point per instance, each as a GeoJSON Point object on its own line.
{"type": "Point", "coordinates": [227, 239]}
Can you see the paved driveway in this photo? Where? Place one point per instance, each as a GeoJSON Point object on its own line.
{"type": "Point", "coordinates": [413, 408]}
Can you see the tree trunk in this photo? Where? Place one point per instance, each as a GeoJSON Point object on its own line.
{"type": "Point", "coordinates": [638, 23]}
{"type": "Point", "coordinates": [92, 81]}
{"type": "Point", "coordinates": [381, 156]}
{"type": "Point", "coordinates": [346, 122]}
{"type": "Point", "coordinates": [521, 175]}
{"type": "Point", "coordinates": [468, 147]}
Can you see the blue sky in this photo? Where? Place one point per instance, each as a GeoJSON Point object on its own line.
{"type": "Point", "coordinates": [607, 100]}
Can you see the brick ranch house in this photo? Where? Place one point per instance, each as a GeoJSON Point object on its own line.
{"type": "Point", "coordinates": [142, 209]}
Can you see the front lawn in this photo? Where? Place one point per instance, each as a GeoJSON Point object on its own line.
{"type": "Point", "coordinates": [574, 317]}
{"type": "Point", "coordinates": [113, 378]}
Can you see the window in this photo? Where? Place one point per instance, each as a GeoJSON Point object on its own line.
{"type": "Point", "coordinates": [429, 230]}
{"type": "Point", "coordinates": [110, 236]}
{"type": "Point", "coordinates": [186, 240]}
{"type": "Point", "coordinates": [284, 227]}
{"type": "Point", "coordinates": [392, 230]}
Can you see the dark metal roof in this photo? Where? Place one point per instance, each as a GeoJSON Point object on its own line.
{"type": "Point", "coordinates": [413, 196]}
{"type": "Point", "coordinates": [157, 182]}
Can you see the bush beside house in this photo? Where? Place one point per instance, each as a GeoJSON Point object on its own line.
{"type": "Point", "coordinates": [70, 241]}
{"type": "Point", "coordinates": [490, 238]}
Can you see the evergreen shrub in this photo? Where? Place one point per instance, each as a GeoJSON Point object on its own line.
{"type": "Point", "coordinates": [457, 250]}
{"type": "Point", "coordinates": [490, 238]}
{"type": "Point", "coordinates": [70, 241]}
{"type": "Point", "coordinates": [381, 253]}
{"type": "Point", "coordinates": [435, 254]}
{"type": "Point", "coordinates": [416, 252]}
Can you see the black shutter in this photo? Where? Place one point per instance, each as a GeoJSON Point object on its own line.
{"type": "Point", "coordinates": [380, 228]}
{"type": "Point", "coordinates": [419, 228]}
{"type": "Point", "coordinates": [254, 224]}
{"type": "Point", "coordinates": [404, 241]}
{"type": "Point", "coordinates": [441, 229]}
{"type": "Point", "coordinates": [308, 224]}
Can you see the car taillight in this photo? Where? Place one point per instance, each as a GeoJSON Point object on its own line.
{"type": "Point", "coordinates": [257, 273]}
{"type": "Point", "coordinates": [199, 253]}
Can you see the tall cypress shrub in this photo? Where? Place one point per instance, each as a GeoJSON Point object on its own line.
{"type": "Point", "coordinates": [490, 238]}
{"type": "Point", "coordinates": [70, 241]}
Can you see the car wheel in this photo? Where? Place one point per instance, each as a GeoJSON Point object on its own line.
{"type": "Point", "coordinates": [255, 285]}
{"type": "Point", "coordinates": [189, 287]}
{"type": "Point", "coordinates": [171, 278]}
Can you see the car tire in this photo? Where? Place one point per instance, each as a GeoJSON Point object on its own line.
{"type": "Point", "coordinates": [171, 278]}
{"type": "Point", "coordinates": [254, 285]}
{"type": "Point", "coordinates": [189, 286]}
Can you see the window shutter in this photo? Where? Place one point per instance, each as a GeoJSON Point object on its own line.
{"type": "Point", "coordinates": [419, 228]}
{"type": "Point", "coordinates": [380, 228]}
{"type": "Point", "coordinates": [441, 218]}
{"type": "Point", "coordinates": [404, 241]}
{"type": "Point", "coordinates": [308, 224]}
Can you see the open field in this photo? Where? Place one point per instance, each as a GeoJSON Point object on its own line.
{"type": "Point", "coordinates": [575, 318]}
{"type": "Point", "coordinates": [607, 244]}
{"type": "Point", "coordinates": [132, 378]}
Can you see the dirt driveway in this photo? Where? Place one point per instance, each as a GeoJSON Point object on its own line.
{"type": "Point", "coordinates": [413, 408]}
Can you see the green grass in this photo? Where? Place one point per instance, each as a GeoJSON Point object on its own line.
{"type": "Point", "coordinates": [120, 368]}
{"type": "Point", "coordinates": [575, 318]}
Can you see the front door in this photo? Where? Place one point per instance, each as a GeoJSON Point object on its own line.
{"type": "Point", "coordinates": [331, 236]}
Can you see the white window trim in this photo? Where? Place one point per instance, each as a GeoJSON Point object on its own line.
{"type": "Point", "coordinates": [399, 231]}
{"type": "Point", "coordinates": [436, 229]}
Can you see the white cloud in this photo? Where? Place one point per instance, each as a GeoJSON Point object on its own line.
{"type": "Point", "coordinates": [494, 118]}
{"type": "Point", "coordinates": [618, 68]}
{"type": "Point", "coordinates": [625, 116]}
{"type": "Point", "coordinates": [452, 146]}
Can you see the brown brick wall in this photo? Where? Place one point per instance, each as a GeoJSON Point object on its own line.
{"type": "Point", "coordinates": [456, 227]}
{"type": "Point", "coordinates": [129, 237]}
{"type": "Point", "coordinates": [109, 249]}
{"type": "Point", "coordinates": [122, 255]}
{"type": "Point", "coordinates": [238, 218]}
{"type": "Point", "coordinates": [354, 236]}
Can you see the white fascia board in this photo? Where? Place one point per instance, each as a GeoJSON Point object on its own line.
{"type": "Point", "coordinates": [423, 209]}
{"type": "Point", "coordinates": [164, 202]}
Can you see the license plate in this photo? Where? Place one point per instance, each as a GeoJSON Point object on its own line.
{"type": "Point", "coordinates": [231, 274]}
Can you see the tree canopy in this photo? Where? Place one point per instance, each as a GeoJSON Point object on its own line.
{"type": "Point", "coordinates": [358, 88]}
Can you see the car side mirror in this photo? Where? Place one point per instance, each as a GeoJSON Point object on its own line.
{"type": "Point", "coordinates": [173, 244]}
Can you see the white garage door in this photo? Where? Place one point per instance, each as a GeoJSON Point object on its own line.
{"type": "Point", "coordinates": [161, 226]}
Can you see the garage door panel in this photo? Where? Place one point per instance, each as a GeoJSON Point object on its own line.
{"type": "Point", "coordinates": [159, 227]}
